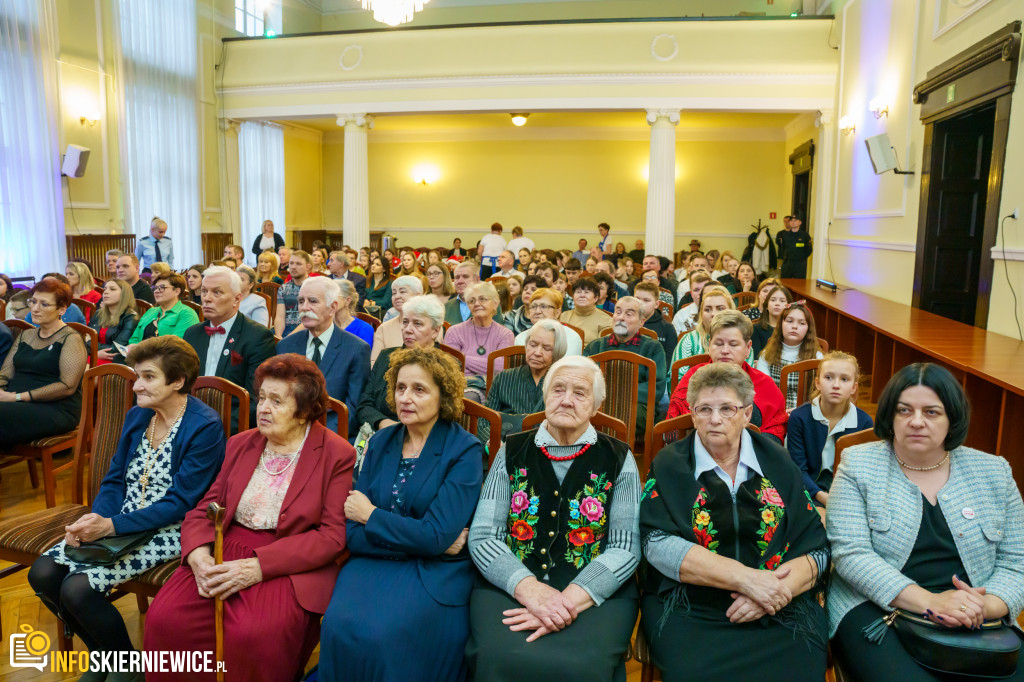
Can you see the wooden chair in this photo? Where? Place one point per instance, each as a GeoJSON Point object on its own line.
{"type": "Point", "coordinates": [744, 297]}
{"type": "Point", "coordinates": [668, 432]}
{"type": "Point", "coordinates": [668, 292]}
{"type": "Point", "coordinates": [666, 310]}
{"type": "Point", "coordinates": [446, 325]}
{"type": "Point", "coordinates": [341, 409]}
{"type": "Point", "coordinates": [197, 308]}
{"type": "Point", "coordinates": [804, 371]}
{"type": "Point", "coordinates": [18, 326]}
{"type": "Point", "coordinates": [682, 366]}
{"type": "Point", "coordinates": [220, 394]}
{"type": "Point", "coordinates": [91, 338]}
{"type": "Point", "coordinates": [3, 309]}
{"type": "Point", "coordinates": [494, 279]}
{"type": "Point", "coordinates": [270, 290]}
{"type": "Point", "coordinates": [472, 413]}
{"type": "Point", "coordinates": [575, 329]}
{"type": "Point", "coordinates": [143, 306]}
{"type": "Point", "coordinates": [514, 356]}
{"type": "Point", "coordinates": [822, 345]}
{"type": "Point", "coordinates": [745, 306]}
{"type": "Point", "coordinates": [369, 319]}
{"type": "Point", "coordinates": [621, 371]}
{"type": "Point", "coordinates": [859, 438]}
{"type": "Point", "coordinates": [601, 422]}
{"type": "Point", "coordinates": [106, 398]}
{"type": "Point", "coordinates": [87, 307]}
{"type": "Point", "coordinates": [649, 333]}
{"type": "Point", "coordinates": [270, 306]}
{"type": "Point", "coordinates": [457, 354]}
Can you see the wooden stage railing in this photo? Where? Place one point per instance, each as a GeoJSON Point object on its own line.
{"type": "Point", "coordinates": [93, 249]}
{"type": "Point", "coordinates": [213, 247]}
{"type": "Point", "coordinates": [303, 239]}
{"type": "Point", "coordinates": [886, 336]}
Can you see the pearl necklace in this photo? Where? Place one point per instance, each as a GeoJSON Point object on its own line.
{"type": "Point", "coordinates": [291, 456]}
{"type": "Point", "coordinates": [152, 452]}
{"type": "Point", "coordinates": [931, 468]}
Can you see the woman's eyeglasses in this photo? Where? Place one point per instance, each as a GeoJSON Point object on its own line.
{"type": "Point", "coordinates": [726, 411]}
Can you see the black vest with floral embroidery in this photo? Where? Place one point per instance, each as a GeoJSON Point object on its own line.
{"type": "Point", "coordinates": [557, 529]}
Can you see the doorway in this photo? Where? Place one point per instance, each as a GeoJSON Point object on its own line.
{"type": "Point", "coordinates": [801, 196]}
{"type": "Point", "coordinates": [954, 228]}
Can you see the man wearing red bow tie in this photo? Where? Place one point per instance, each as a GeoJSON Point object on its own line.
{"type": "Point", "coordinates": [229, 345]}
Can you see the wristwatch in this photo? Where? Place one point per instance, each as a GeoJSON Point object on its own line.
{"type": "Point", "coordinates": [17, 397]}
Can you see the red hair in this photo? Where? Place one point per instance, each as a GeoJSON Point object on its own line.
{"type": "Point", "coordinates": [306, 379]}
{"type": "Point", "coordinates": [50, 285]}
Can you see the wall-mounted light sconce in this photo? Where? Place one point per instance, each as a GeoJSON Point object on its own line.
{"type": "Point", "coordinates": [519, 119]}
{"type": "Point", "coordinates": [878, 107]}
{"type": "Point", "coordinates": [847, 125]}
{"type": "Point", "coordinates": [90, 117]}
{"type": "Point", "coordinates": [426, 174]}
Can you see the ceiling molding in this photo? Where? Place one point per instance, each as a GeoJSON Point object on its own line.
{"type": "Point", "coordinates": [683, 134]}
{"type": "Point", "coordinates": [804, 120]}
{"type": "Point", "coordinates": [1007, 254]}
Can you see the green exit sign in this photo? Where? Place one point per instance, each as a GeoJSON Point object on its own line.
{"type": "Point", "coordinates": [950, 92]}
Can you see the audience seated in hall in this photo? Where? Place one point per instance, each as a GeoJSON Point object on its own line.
{"type": "Point", "coordinates": [253, 305]}
{"type": "Point", "coordinates": [795, 339]}
{"type": "Point", "coordinates": [229, 345]}
{"type": "Point", "coordinates": [378, 288]}
{"type": "Point", "coordinates": [72, 314]}
{"type": "Point", "coordinates": [344, 359]}
{"type": "Point", "coordinates": [389, 333]}
{"type": "Point", "coordinates": [654, 320]}
{"type": "Point", "coordinates": [546, 304]}
{"type": "Point", "coordinates": [585, 313]}
{"type": "Point", "coordinates": [685, 318]}
{"type": "Point", "coordinates": [771, 314]}
{"type": "Point", "coordinates": [348, 299]}
{"type": "Point", "coordinates": [518, 392]}
{"type": "Point", "coordinates": [479, 336]}
{"type": "Point", "coordinates": [287, 317]}
{"type": "Point", "coordinates": [82, 285]}
{"type": "Point", "coordinates": [115, 321]}
{"type": "Point", "coordinates": [340, 265]}
{"type": "Point", "coordinates": [169, 316]}
{"type": "Point", "coordinates": [128, 270]}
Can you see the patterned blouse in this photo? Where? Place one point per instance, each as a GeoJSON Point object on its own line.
{"type": "Point", "coordinates": [261, 501]}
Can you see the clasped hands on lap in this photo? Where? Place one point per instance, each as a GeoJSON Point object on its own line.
{"type": "Point", "coordinates": [88, 528]}
{"type": "Point", "coordinates": [545, 609]}
{"type": "Point", "coordinates": [222, 580]}
{"type": "Point", "coordinates": [963, 606]}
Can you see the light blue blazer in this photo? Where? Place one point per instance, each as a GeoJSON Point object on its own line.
{"type": "Point", "coordinates": [874, 515]}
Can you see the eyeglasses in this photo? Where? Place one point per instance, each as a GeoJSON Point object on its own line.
{"type": "Point", "coordinates": [726, 411]}
{"type": "Point", "coordinates": [540, 307]}
{"type": "Point", "coordinates": [160, 288]}
{"type": "Point", "coordinates": [41, 304]}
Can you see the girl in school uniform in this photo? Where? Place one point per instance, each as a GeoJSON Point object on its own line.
{"type": "Point", "coordinates": [814, 427]}
{"type": "Point", "coordinates": [771, 314]}
{"type": "Point", "coordinates": [793, 340]}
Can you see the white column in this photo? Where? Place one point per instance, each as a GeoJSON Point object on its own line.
{"type": "Point", "coordinates": [822, 176]}
{"type": "Point", "coordinates": [355, 199]}
{"type": "Point", "coordinates": [661, 183]}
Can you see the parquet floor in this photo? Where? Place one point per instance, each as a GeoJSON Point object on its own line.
{"type": "Point", "coordinates": [19, 605]}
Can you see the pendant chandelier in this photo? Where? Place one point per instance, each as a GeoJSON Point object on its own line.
{"type": "Point", "coordinates": [394, 12]}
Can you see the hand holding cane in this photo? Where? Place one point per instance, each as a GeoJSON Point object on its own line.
{"type": "Point", "coordinates": [215, 513]}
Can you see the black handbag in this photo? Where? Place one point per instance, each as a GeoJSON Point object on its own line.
{"type": "Point", "coordinates": [106, 551]}
{"type": "Point", "coordinates": [988, 653]}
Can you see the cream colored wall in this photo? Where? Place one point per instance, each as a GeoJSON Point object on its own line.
{"type": "Point", "coordinates": [558, 190]}
{"type": "Point", "coordinates": [875, 218]}
{"type": "Point", "coordinates": [797, 133]}
{"type": "Point", "coordinates": [303, 179]}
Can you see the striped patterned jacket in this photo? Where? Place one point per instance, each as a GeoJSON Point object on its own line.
{"type": "Point", "coordinates": [874, 514]}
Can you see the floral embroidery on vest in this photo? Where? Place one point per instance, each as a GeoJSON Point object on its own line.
{"type": "Point", "coordinates": [522, 516]}
{"type": "Point", "coordinates": [703, 527]}
{"type": "Point", "coordinates": [772, 511]}
{"type": "Point", "coordinates": [649, 490]}
{"type": "Point", "coordinates": [588, 520]}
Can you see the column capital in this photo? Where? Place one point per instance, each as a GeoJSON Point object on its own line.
{"type": "Point", "coordinates": [823, 118]}
{"type": "Point", "coordinates": [360, 120]}
{"type": "Point", "coordinates": [670, 115]}
{"type": "Point", "coordinates": [227, 124]}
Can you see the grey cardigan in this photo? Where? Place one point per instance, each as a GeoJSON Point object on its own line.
{"type": "Point", "coordinates": [874, 514]}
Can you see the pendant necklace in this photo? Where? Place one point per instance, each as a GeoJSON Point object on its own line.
{"type": "Point", "coordinates": [481, 349]}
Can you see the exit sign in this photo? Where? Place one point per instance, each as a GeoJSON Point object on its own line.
{"type": "Point", "coordinates": [771, 216]}
{"type": "Point", "coordinates": [950, 92]}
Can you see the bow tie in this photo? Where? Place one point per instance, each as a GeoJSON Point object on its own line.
{"type": "Point", "coordinates": [210, 331]}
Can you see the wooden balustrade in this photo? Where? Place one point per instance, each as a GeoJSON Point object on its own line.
{"type": "Point", "coordinates": [303, 239]}
{"type": "Point", "coordinates": [213, 247]}
{"type": "Point", "coordinates": [93, 248]}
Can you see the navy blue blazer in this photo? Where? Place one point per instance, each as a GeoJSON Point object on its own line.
{"type": "Point", "coordinates": [441, 495]}
{"type": "Point", "coordinates": [196, 455]}
{"type": "Point", "coordinates": [345, 365]}
{"type": "Point", "coordinates": [6, 341]}
{"type": "Point", "coordinates": [805, 439]}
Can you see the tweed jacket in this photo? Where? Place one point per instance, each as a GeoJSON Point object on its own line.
{"type": "Point", "coordinates": [874, 514]}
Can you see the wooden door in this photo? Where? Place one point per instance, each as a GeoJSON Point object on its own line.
{"type": "Point", "coordinates": [951, 258]}
{"type": "Point", "coordinates": [801, 197]}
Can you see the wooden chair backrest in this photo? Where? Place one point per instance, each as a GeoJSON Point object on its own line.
{"type": "Point", "coordinates": [472, 412]}
{"type": "Point", "coordinates": [744, 297]}
{"type": "Point", "coordinates": [88, 308]}
{"type": "Point", "coordinates": [218, 393]}
{"type": "Point", "coordinates": [621, 371]}
{"type": "Point", "coordinates": [602, 422]}
{"type": "Point", "coordinates": [447, 325]}
{"type": "Point", "coordinates": [666, 310]}
{"type": "Point", "coordinates": [682, 366]}
{"type": "Point", "coordinates": [91, 338]}
{"type": "Point", "coordinates": [671, 430]}
{"type": "Point", "coordinates": [514, 356]}
{"type": "Point", "coordinates": [745, 306]}
{"type": "Point", "coordinates": [198, 309]}
{"type": "Point", "coordinates": [18, 326]}
{"type": "Point", "coordinates": [270, 289]}
{"type": "Point", "coordinates": [649, 333]}
{"type": "Point", "coordinates": [805, 371]}
{"type": "Point", "coordinates": [668, 292]}
{"type": "Point", "coordinates": [142, 306]}
{"type": "Point", "coordinates": [575, 329]}
{"type": "Point", "coordinates": [3, 309]}
{"type": "Point", "coordinates": [340, 409]}
{"type": "Point", "coordinates": [457, 354]}
{"type": "Point", "coordinates": [859, 438]}
{"type": "Point", "coordinates": [106, 398]}
{"type": "Point", "coordinates": [369, 319]}
{"type": "Point", "coordinates": [494, 279]}
{"type": "Point", "coordinates": [270, 306]}
{"type": "Point", "coordinates": [822, 345]}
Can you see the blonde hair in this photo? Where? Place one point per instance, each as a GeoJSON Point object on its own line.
{"type": "Point", "coordinates": [705, 294]}
{"type": "Point", "coordinates": [720, 263]}
{"type": "Point", "coordinates": [85, 280]}
{"type": "Point", "coordinates": [838, 356]}
{"type": "Point", "coordinates": [160, 269]}
{"type": "Point", "coordinates": [126, 306]}
{"type": "Point", "coordinates": [552, 296]}
{"type": "Point", "coordinates": [274, 261]}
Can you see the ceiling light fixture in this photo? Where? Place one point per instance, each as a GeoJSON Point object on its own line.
{"type": "Point", "coordinates": [519, 119]}
{"type": "Point", "coordinates": [394, 12]}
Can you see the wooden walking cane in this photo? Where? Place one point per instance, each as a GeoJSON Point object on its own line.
{"type": "Point", "coordinates": [215, 513]}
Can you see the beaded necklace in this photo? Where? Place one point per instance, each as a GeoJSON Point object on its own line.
{"type": "Point", "coordinates": [567, 457]}
{"type": "Point", "coordinates": [151, 452]}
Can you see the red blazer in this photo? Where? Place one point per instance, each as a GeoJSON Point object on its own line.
{"type": "Point", "coordinates": [311, 527]}
{"type": "Point", "coordinates": [767, 397]}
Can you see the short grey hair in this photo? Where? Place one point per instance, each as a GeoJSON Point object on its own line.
{"type": "Point", "coordinates": [469, 264]}
{"type": "Point", "coordinates": [486, 288]}
{"type": "Point", "coordinates": [248, 272]}
{"type": "Point", "coordinates": [720, 375]}
{"type": "Point", "coordinates": [582, 363]}
{"type": "Point", "coordinates": [635, 301]}
{"type": "Point", "coordinates": [331, 290]}
{"type": "Point", "coordinates": [114, 252]}
{"type": "Point", "coordinates": [558, 330]}
{"type": "Point", "coordinates": [233, 278]}
{"type": "Point", "coordinates": [342, 256]}
{"type": "Point", "coordinates": [427, 306]}
{"type": "Point", "coordinates": [348, 292]}
{"type": "Point", "coordinates": [413, 283]}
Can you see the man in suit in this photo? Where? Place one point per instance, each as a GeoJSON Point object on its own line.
{"type": "Point", "coordinates": [339, 265]}
{"type": "Point", "coordinates": [343, 358]}
{"type": "Point", "coordinates": [456, 310]}
{"type": "Point", "coordinates": [229, 345]}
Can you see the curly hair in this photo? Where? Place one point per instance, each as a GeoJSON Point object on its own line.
{"type": "Point", "coordinates": [442, 368]}
{"type": "Point", "coordinates": [306, 379]}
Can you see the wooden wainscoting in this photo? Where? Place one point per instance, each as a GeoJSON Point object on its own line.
{"type": "Point", "coordinates": [213, 247]}
{"type": "Point", "coordinates": [93, 249]}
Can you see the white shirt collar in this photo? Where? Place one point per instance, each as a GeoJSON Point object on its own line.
{"type": "Point", "coordinates": [227, 324]}
{"type": "Point", "coordinates": [703, 461]}
{"type": "Point", "coordinates": [543, 439]}
{"type": "Point", "coordinates": [325, 338]}
{"type": "Point", "coordinates": [849, 420]}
